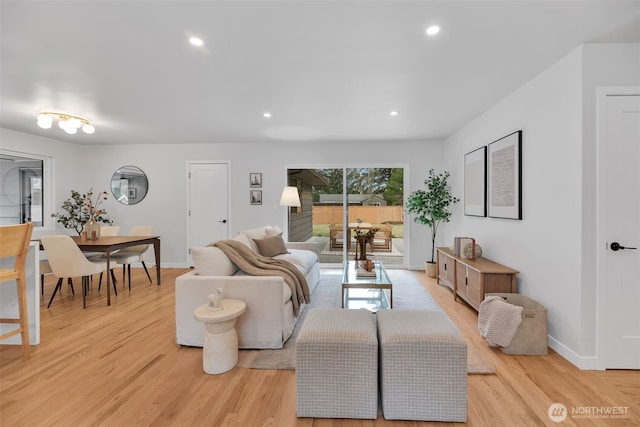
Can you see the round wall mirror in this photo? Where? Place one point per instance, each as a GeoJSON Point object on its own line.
{"type": "Point", "coordinates": [129, 185]}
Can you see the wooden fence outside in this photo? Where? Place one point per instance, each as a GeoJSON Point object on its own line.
{"type": "Point", "coordinates": [372, 214]}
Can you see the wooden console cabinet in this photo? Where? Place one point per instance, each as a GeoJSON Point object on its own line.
{"type": "Point", "coordinates": [471, 280]}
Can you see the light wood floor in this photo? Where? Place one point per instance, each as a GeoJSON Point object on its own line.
{"type": "Point", "coordinates": [120, 366]}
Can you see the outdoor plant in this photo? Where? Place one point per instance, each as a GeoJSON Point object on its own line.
{"type": "Point", "coordinates": [80, 208]}
{"type": "Point", "coordinates": [431, 207]}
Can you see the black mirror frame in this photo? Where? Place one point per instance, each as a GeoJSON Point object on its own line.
{"type": "Point", "coordinates": [136, 187]}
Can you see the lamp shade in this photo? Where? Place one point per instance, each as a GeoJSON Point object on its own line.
{"type": "Point", "coordinates": [290, 197]}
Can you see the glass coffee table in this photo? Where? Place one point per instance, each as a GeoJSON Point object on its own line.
{"type": "Point", "coordinates": [370, 292]}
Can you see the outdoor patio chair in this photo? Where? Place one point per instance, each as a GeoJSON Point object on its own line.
{"type": "Point", "coordinates": [382, 239]}
{"type": "Point", "coordinates": [336, 237]}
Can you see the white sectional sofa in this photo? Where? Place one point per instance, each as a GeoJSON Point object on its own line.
{"type": "Point", "coordinates": [269, 318]}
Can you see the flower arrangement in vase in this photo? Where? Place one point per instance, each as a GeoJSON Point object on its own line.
{"type": "Point", "coordinates": [362, 239]}
{"type": "Point", "coordinates": [84, 213]}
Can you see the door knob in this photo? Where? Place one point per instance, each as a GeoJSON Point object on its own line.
{"type": "Point", "coordinates": [224, 221]}
{"type": "Point", "coordinates": [615, 246]}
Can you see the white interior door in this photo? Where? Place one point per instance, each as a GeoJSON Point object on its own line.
{"type": "Point", "coordinates": [208, 200]}
{"type": "Point", "coordinates": [620, 222]}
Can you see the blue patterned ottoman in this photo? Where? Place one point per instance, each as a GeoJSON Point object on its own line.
{"type": "Point", "coordinates": [337, 365]}
{"type": "Point", "coordinates": [423, 366]}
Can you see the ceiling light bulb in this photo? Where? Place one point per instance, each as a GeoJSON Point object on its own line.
{"type": "Point", "coordinates": [70, 130]}
{"type": "Point", "coordinates": [393, 113]}
{"type": "Point", "coordinates": [88, 129]}
{"type": "Point", "coordinates": [44, 121]}
{"type": "Point", "coordinates": [62, 124]}
{"type": "Point", "coordinates": [433, 30]}
{"type": "Point", "coordinates": [267, 115]}
{"type": "Point", "coordinates": [196, 41]}
{"type": "Point", "coordinates": [74, 123]}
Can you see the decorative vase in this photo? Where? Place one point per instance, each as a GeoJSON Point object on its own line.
{"type": "Point", "coordinates": [92, 229]}
{"type": "Point", "coordinates": [362, 243]}
{"type": "Point", "coordinates": [472, 251]}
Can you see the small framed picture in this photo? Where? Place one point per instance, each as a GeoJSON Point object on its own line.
{"type": "Point", "coordinates": [255, 180]}
{"type": "Point", "coordinates": [132, 193]}
{"type": "Point", "coordinates": [255, 197]}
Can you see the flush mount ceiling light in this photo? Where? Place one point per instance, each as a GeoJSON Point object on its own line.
{"type": "Point", "coordinates": [70, 123]}
{"type": "Point", "coordinates": [196, 41]}
{"type": "Point", "coordinates": [393, 113]}
{"type": "Point", "coordinates": [433, 30]}
{"type": "Point", "coordinates": [267, 115]}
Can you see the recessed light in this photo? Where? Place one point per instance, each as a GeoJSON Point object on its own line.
{"type": "Point", "coordinates": [433, 30]}
{"type": "Point", "coordinates": [196, 41]}
{"type": "Point", "coordinates": [267, 115]}
{"type": "Point", "coordinates": [393, 113]}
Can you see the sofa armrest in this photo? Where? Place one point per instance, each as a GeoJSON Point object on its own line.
{"type": "Point", "coordinates": [263, 295]}
{"type": "Point", "coordinates": [309, 246]}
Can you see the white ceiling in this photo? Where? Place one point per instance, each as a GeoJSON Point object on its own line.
{"type": "Point", "coordinates": [325, 70]}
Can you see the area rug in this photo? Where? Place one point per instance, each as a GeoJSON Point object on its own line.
{"type": "Point", "coordinates": [408, 293]}
{"type": "Point", "coordinates": [394, 252]}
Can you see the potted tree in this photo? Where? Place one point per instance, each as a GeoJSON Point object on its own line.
{"type": "Point", "coordinates": [431, 208]}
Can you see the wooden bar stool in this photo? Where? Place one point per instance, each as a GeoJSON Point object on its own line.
{"type": "Point", "coordinates": [14, 242]}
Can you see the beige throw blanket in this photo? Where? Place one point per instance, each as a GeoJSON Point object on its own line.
{"type": "Point", "coordinates": [258, 265]}
{"type": "Point", "coordinates": [498, 321]}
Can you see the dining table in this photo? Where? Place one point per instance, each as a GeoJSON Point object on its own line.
{"type": "Point", "coordinates": [110, 244]}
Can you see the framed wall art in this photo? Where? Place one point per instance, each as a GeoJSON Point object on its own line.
{"type": "Point", "coordinates": [475, 182]}
{"type": "Point", "coordinates": [504, 177]}
{"type": "Point", "coordinates": [255, 197]}
{"type": "Point", "coordinates": [255, 180]}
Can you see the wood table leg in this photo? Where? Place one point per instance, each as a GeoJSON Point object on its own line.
{"type": "Point", "coordinates": [156, 249]}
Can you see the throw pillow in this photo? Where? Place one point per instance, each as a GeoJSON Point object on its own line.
{"type": "Point", "coordinates": [256, 233]}
{"type": "Point", "coordinates": [211, 261]}
{"type": "Point", "coordinates": [273, 231]}
{"type": "Point", "coordinates": [271, 246]}
{"type": "Point", "coordinates": [246, 240]}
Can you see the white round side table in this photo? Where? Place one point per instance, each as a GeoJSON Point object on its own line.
{"type": "Point", "coordinates": [220, 351]}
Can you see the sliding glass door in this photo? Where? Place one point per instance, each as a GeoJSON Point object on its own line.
{"type": "Point", "coordinates": [337, 201]}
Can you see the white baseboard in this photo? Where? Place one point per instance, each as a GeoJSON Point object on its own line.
{"type": "Point", "coordinates": [588, 363]}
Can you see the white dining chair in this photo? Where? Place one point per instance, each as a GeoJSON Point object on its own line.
{"type": "Point", "coordinates": [106, 231]}
{"type": "Point", "coordinates": [45, 268]}
{"type": "Point", "coordinates": [134, 253]}
{"type": "Point", "coordinates": [67, 260]}
{"type": "Point", "coordinates": [109, 230]}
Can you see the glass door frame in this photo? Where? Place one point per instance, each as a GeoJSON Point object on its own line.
{"type": "Point", "coordinates": [345, 206]}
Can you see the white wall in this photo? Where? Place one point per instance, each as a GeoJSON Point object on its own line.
{"type": "Point", "coordinates": [552, 246]}
{"type": "Point", "coordinates": [165, 166]}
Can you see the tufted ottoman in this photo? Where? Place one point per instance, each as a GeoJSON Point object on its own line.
{"type": "Point", "coordinates": [423, 366]}
{"type": "Point", "coordinates": [337, 365]}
